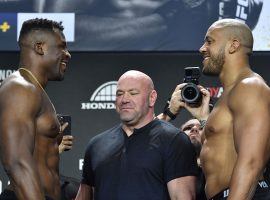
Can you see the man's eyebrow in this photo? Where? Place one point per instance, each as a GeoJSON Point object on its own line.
{"type": "Point", "coordinates": [208, 38]}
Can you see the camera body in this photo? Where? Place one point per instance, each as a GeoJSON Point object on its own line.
{"type": "Point", "coordinates": [190, 93]}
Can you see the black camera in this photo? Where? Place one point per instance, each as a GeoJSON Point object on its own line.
{"type": "Point", "coordinates": [190, 93]}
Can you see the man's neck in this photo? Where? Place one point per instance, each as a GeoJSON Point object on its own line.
{"type": "Point", "coordinates": [231, 76]}
{"type": "Point", "coordinates": [41, 79]}
{"type": "Point", "coordinates": [129, 128]}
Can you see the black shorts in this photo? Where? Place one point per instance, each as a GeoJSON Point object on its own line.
{"type": "Point", "coordinates": [262, 192]}
{"type": "Point", "coordinates": [10, 195]}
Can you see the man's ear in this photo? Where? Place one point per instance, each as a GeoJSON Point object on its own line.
{"type": "Point", "coordinates": [152, 98]}
{"type": "Point", "coordinates": [38, 46]}
{"type": "Point", "coordinates": [234, 46]}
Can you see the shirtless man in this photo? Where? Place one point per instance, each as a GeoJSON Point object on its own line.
{"type": "Point", "coordinates": [237, 133]}
{"type": "Point", "coordinates": [29, 126]}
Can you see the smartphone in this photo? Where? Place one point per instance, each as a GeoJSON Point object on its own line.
{"type": "Point", "coordinates": [63, 119]}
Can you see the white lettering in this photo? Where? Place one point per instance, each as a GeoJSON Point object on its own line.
{"type": "Point", "coordinates": [263, 184]}
{"type": "Point", "coordinates": [220, 92]}
{"type": "Point", "coordinates": [1, 187]}
{"type": "Point", "coordinates": [81, 164]}
{"type": "Point", "coordinates": [85, 106]}
{"type": "Point", "coordinates": [5, 73]}
{"type": "Point", "coordinates": [243, 3]}
{"type": "Point", "coordinates": [240, 12]}
{"type": "Point", "coordinates": [102, 105]}
{"type": "Point", "coordinates": [226, 193]}
{"type": "Point", "coordinates": [241, 8]}
{"type": "Point", "coordinates": [97, 106]}
{"type": "Point", "coordinates": [111, 106]}
{"type": "Point", "coordinates": [221, 8]}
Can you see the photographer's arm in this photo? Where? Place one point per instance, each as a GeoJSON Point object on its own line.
{"type": "Point", "coordinates": [176, 104]}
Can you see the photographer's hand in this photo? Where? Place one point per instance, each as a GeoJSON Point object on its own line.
{"type": "Point", "coordinates": [175, 104]}
{"type": "Point", "coordinates": [201, 112]}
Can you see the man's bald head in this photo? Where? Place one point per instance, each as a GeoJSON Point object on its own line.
{"type": "Point", "coordinates": [139, 76]}
{"type": "Point", "coordinates": [236, 29]}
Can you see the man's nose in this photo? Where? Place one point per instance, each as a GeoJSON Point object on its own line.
{"type": "Point", "coordinates": [68, 55]}
{"type": "Point", "coordinates": [125, 97]}
{"type": "Point", "coordinates": [195, 129]}
{"type": "Point", "coordinates": [202, 49]}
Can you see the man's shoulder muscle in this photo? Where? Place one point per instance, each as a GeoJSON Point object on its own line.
{"type": "Point", "coordinates": [16, 92]}
{"type": "Point", "coordinates": [251, 90]}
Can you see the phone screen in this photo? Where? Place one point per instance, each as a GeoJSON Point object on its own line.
{"type": "Point", "coordinates": [65, 118]}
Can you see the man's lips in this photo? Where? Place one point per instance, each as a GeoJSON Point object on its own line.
{"type": "Point", "coordinates": [193, 134]}
{"type": "Point", "coordinates": [64, 62]}
{"type": "Point", "coordinates": [126, 108]}
{"type": "Point", "coordinates": [206, 57]}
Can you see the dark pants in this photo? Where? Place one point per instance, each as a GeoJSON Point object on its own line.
{"type": "Point", "coordinates": [10, 195]}
{"type": "Point", "coordinates": [262, 192]}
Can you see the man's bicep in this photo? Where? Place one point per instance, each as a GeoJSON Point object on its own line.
{"type": "Point", "coordinates": [85, 192]}
{"type": "Point", "coordinates": [17, 127]}
{"type": "Point", "coordinates": [250, 123]}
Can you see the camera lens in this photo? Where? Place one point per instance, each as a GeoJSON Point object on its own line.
{"type": "Point", "coordinates": [191, 94]}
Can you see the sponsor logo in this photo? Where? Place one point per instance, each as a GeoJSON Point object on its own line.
{"type": "Point", "coordinates": [4, 73]}
{"type": "Point", "coordinates": [81, 164]}
{"type": "Point", "coordinates": [67, 19]}
{"type": "Point", "coordinates": [215, 91]}
{"type": "Point", "coordinates": [8, 25]}
{"type": "Point", "coordinates": [4, 27]}
{"type": "Point", "coordinates": [263, 184]}
{"type": "Point", "coordinates": [102, 98]}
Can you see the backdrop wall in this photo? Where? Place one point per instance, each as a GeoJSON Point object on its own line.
{"type": "Point", "coordinates": [87, 93]}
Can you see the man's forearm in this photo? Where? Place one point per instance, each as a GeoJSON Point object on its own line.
{"type": "Point", "coordinates": [244, 182]}
{"type": "Point", "coordinates": [25, 181]}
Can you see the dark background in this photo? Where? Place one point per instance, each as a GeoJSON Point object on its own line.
{"type": "Point", "coordinates": [87, 71]}
{"type": "Point", "coordinates": [162, 55]}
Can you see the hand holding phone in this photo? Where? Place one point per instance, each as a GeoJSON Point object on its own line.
{"type": "Point", "coordinates": [63, 119]}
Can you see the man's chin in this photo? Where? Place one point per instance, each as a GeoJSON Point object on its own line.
{"type": "Point", "coordinates": [208, 72]}
{"type": "Point", "coordinates": [57, 79]}
{"type": "Point", "coordinates": [127, 120]}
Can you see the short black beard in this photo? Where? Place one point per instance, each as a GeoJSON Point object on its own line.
{"type": "Point", "coordinates": [215, 64]}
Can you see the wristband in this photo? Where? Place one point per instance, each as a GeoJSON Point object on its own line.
{"type": "Point", "coordinates": [169, 113]}
{"type": "Point", "coordinates": [166, 110]}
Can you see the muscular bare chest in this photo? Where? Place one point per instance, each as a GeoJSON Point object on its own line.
{"type": "Point", "coordinates": [220, 120]}
{"type": "Point", "coordinates": [218, 154]}
{"type": "Point", "coordinates": [47, 123]}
